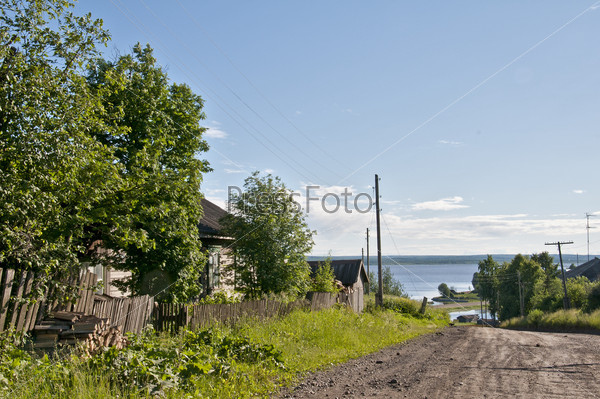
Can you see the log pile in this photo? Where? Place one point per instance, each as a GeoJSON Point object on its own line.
{"type": "Point", "coordinates": [70, 328]}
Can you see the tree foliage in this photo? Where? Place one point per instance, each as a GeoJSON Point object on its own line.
{"type": "Point", "coordinates": [153, 128]}
{"type": "Point", "coordinates": [271, 239]}
{"type": "Point", "coordinates": [324, 279]}
{"type": "Point", "coordinates": [53, 172]}
{"type": "Point", "coordinates": [444, 290]}
{"type": "Point", "coordinates": [95, 154]}
{"type": "Point", "coordinates": [391, 285]}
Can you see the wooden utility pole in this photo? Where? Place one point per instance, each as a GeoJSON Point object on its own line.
{"type": "Point", "coordinates": [379, 296]}
{"type": "Point", "coordinates": [521, 300]}
{"type": "Point", "coordinates": [368, 260]}
{"type": "Point", "coordinates": [566, 302]}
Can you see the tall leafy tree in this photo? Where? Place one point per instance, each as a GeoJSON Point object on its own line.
{"type": "Point", "coordinates": [550, 268]}
{"type": "Point", "coordinates": [153, 127]}
{"type": "Point", "coordinates": [52, 171]}
{"type": "Point", "coordinates": [487, 282]}
{"type": "Point", "coordinates": [530, 273]}
{"type": "Point", "coordinates": [99, 160]}
{"type": "Point", "coordinates": [271, 239]}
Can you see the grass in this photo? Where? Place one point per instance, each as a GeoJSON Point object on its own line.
{"type": "Point", "coordinates": [562, 320]}
{"type": "Point", "coordinates": [251, 359]}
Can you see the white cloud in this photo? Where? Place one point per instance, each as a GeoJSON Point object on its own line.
{"type": "Point", "coordinates": [230, 171]}
{"type": "Point", "coordinates": [444, 204]}
{"type": "Point", "coordinates": [579, 191]}
{"type": "Point", "coordinates": [215, 133]}
{"type": "Point", "coordinates": [269, 171]}
{"type": "Point", "coordinates": [476, 234]}
{"type": "Point", "coordinates": [451, 143]}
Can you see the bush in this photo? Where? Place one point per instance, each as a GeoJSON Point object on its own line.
{"type": "Point", "coordinates": [562, 320]}
{"type": "Point", "coordinates": [534, 318]}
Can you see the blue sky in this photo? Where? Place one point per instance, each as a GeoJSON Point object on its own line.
{"type": "Point", "coordinates": [482, 119]}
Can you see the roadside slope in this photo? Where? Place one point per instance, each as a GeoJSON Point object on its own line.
{"type": "Point", "coordinates": [468, 362]}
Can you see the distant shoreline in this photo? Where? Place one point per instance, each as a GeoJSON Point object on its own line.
{"type": "Point", "coordinates": [387, 260]}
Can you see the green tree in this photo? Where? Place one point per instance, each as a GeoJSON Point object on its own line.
{"type": "Point", "coordinates": [271, 239]}
{"type": "Point", "coordinates": [153, 128]}
{"type": "Point", "coordinates": [53, 172]}
{"type": "Point", "coordinates": [487, 282]}
{"type": "Point", "coordinates": [324, 279]}
{"type": "Point", "coordinates": [391, 285]}
{"type": "Point", "coordinates": [547, 264]}
{"type": "Point", "coordinates": [444, 290]}
{"type": "Point", "coordinates": [530, 274]}
{"type": "Point", "coordinates": [95, 154]}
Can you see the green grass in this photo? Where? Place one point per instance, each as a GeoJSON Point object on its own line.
{"type": "Point", "coordinates": [562, 320]}
{"type": "Point", "coordinates": [253, 358]}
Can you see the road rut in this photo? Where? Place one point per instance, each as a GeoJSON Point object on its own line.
{"type": "Point", "coordinates": [467, 362]}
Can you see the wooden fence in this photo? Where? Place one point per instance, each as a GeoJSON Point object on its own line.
{"type": "Point", "coordinates": [20, 311]}
{"type": "Point", "coordinates": [22, 305]}
{"type": "Point", "coordinates": [130, 314]}
{"type": "Point", "coordinates": [170, 317]}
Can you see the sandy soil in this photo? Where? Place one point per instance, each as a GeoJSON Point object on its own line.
{"type": "Point", "coordinates": [468, 362]}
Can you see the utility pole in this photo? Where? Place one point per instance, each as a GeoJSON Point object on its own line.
{"type": "Point", "coordinates": [587, 216]}
{"type": "Point", "coordinates": [566, 302]}
{"type": "Point", "coordinates": [521, 301]}
{"type": "Point", "coordinates": [368, 259]}
{"type": "Point", "coordinates": [379, 296]}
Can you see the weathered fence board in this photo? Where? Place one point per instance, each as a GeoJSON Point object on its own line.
{"type": "Point", "coordinates": [170, 317]}
{"type": "Point", "coordinates": [5, 291]}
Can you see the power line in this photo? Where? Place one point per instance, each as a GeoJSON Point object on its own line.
{"type": "Point", "coordinates": [215, 45]}
{"type": "Point", "coordinates": [283, 157]}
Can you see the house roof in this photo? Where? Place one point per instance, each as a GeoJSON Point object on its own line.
{"type": "Point", "coordinates": [347, 271]}
{"type": "Point", "coordinates": [209, 224]}
{"type": "Point", "coordinates": [590, 269]}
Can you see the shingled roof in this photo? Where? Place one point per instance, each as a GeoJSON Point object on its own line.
{"type": "Point", "coordinates": [347, 271]}
{"type": "Point", "coordinates": [209, 224]}
{"type": "Point", "coordinates": [590, 269]}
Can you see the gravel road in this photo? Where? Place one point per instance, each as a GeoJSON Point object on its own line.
{"type": "Point", "coordinates": [468, 362]}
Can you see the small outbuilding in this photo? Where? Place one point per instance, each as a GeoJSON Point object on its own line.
{"type": "Point", "coordinates": [352, 275]}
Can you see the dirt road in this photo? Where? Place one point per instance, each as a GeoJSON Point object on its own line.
{"type": "Point", "coordinates": [468, 362]}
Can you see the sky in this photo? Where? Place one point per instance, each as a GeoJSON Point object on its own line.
{"type": "Point", "coordinates": [481, 119]}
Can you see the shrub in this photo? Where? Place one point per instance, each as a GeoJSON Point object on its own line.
{"type": "Point", "coordinates": [534, 317]}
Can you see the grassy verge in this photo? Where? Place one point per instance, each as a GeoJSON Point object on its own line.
{"type": "Point", "coordinates": [253, 358]}
{"type": "Point", "coordinates": [569, 320]}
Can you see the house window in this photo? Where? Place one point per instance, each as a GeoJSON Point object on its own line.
{"type": "Point", "coordinates": [98, 270]}
{"type": "Point", "coordinates": [214, 267]}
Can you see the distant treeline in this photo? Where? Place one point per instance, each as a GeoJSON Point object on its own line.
{"type": "Point", "coordinates": [568, 259]}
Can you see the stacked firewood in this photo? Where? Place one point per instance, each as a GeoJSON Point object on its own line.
{"type": "Point", "coordinates": [70, 328]}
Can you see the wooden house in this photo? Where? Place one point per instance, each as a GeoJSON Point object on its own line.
{"type": "Point", "coordinates": [214, 278]}
{"type": "Point", "coordinates": [352, 275]}
{"type": "Point", "coordinates": [590, 269]}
